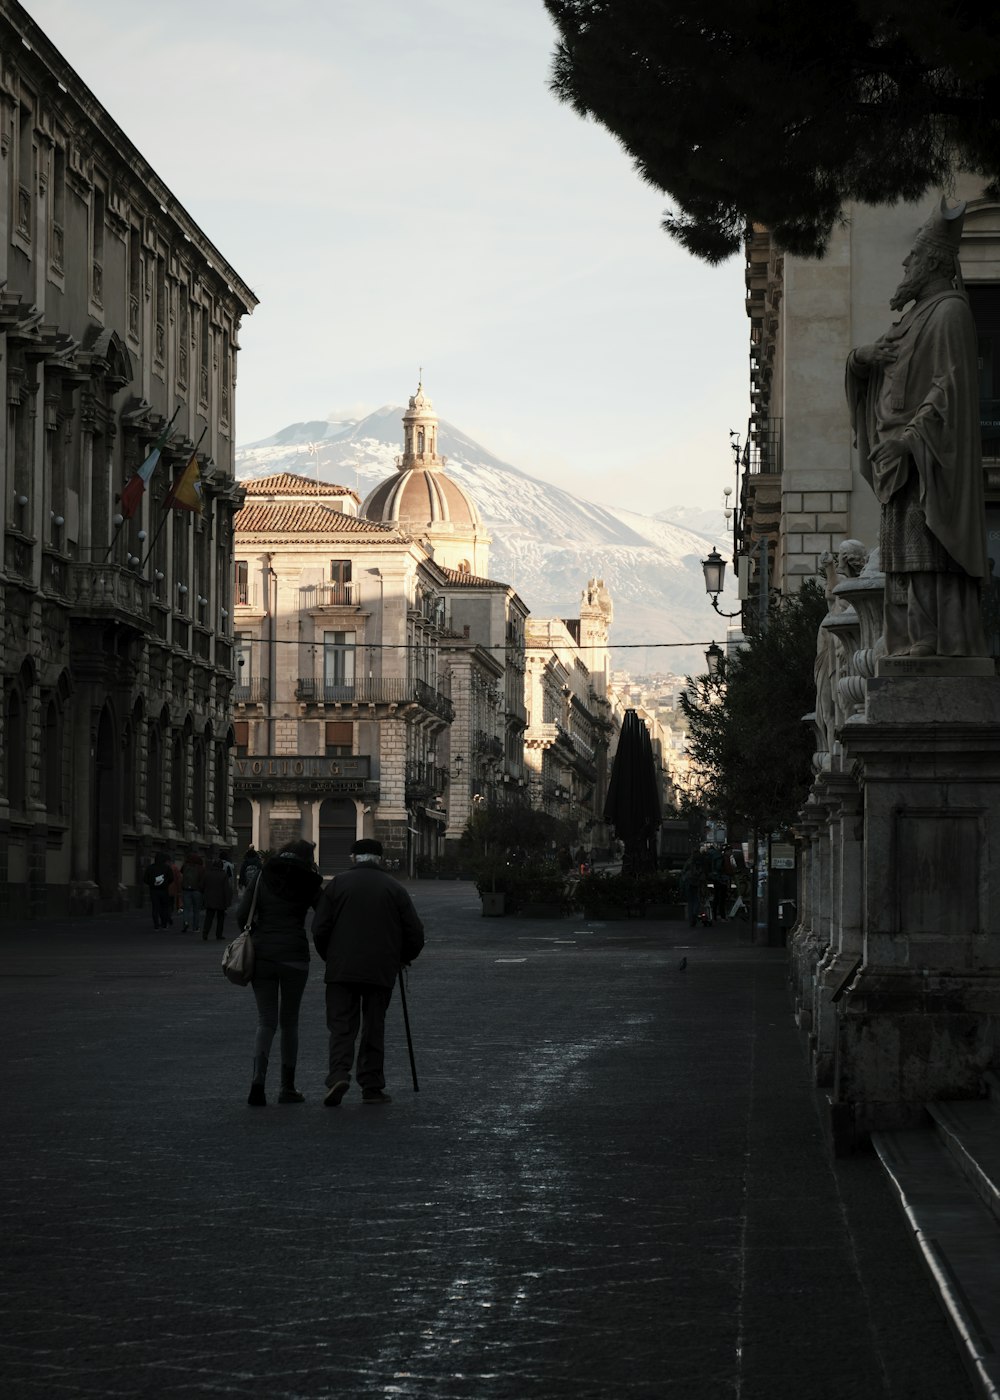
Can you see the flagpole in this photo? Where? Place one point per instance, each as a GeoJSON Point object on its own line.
{"type": "Point", "coordinates": [164, 518]}
{"type": "Point", "coordinates": [162, 438]}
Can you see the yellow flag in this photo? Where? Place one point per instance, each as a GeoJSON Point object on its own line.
{"type": "Point", "coordinates": [186, 492]}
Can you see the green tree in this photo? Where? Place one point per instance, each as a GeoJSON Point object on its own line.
{"type": "Point", "coordinates": [780, 112]}
{"type": "Point", "coordinates": [750, 748]}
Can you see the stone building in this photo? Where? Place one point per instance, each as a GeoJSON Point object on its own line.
{"type": "Point", "coordinates": [382, 675]}
{"type": "Point", "coordinates": [569, 715]}
{"type": "Point", "coordinates": [802, 491]}
{"type": "Point", "coordinates": [117, 317]}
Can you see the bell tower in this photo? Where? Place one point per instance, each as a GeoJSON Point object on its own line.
{"type": "Point", "coordinates": [420, 429]}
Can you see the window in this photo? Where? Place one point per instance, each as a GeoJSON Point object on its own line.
{"type": "Point", "coordinates": [338, 661]}
{"type": "Point", "coordinates": [221, 806]}
{"type": "Point", "coordinates": [198, 783]}
{"type": "Point", "coordinates": [24, 186]}
{"type": "Point", "coordinates": [97, 247]}
{"type": "Point", "coordinates": [340, 580]}
{"type": "Point", "coordinates": [177, 775]}
{"type": "Point", "coordinates": [57, 230]}
{"type": "Point", "coordinates": [241, 733]}
{"type": "Point", "coordinates": [339, 739]}
{"type": "Point", "coordinates": [53, 761]}
{"type": "Point", "coordinates": [134, 281]}
{"type": "Point", "coordinates": [154, 776]}
{"type": "Point", "coordinates": [160, 309]}
{"type": "Point", "coordinates": [183, 332]}
{"type": "Point", "coordinates": [243, 582]}
{"type": "Point", "coordinates": [205, 356]}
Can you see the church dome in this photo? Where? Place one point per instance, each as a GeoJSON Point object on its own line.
{"type": "Point", "coordinates": [420, 496]}
{"type": "Point", "coordinates": [417, 498]}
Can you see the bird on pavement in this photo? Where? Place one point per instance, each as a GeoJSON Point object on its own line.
{"type": "Point", "coordinates": [682, 964]}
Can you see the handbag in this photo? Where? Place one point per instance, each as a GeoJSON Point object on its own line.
{"type": "Point", "coordinates": [238, 959]}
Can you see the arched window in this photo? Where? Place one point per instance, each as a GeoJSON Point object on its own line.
{"type": "Point", "coordinates": [198, 782]}
{"type": "Point", "coordinates": [221, 787]}
{"type": "Point", "coordinates": [177, 781]}
{"type": "Point", "coordinates": [154, 775]}
{"type": "Point", "coordinates": [16, 747]}
{"type": "Point", "coordinates": [52, 758]}
{"type": "Point", "coordinates": [420, 439]}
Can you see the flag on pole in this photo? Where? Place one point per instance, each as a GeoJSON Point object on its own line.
{"type": "Point", "coordinates": [134, 489]}
{"type": "Point", "coordinates": [186, 492]}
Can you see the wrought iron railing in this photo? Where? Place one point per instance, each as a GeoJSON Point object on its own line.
{"type": "Point", "coordinates": [374, 690]}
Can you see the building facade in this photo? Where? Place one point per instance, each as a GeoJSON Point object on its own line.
{"type": "Point", "coordinates": [117, 318]}
{"type": "Point", "coordinates": [569, 716]}
{"type": "Point", "coordinates": [802, 491]}
{"type": "Point", "coordinates": [381, 678]}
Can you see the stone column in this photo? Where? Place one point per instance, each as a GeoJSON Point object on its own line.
{"type": "Point", "coordinates": [921, 1020]}
{"type": "Point", "coordinates": [844, 949]}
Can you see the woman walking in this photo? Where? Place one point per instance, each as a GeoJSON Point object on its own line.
{"type": "Point", "coordinates": [289, 886]}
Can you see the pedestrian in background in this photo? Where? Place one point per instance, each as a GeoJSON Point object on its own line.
{"type": "Point", "coordinates": [192, 879]}
{"type": "Point", "coordinates": [365, 929]}
{"type": "Point", "coordinates": [157, 876]}
{"type": "Point", "coordinates": [217, 893]}
{"type": "Point", "coordinates": [176, 890]}
{"type": "Point", "coordinates": [249, 866]}
{"type": "Point", "coordinates": [290, 886]}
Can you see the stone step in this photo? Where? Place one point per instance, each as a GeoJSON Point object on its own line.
{"type": "Point", "coordinates": [959, 1240]}
{"type": "Point", "coordinates": [969, 1131]}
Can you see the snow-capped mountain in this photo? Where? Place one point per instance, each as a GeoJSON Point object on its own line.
{"type": "Point", "coordinates": [546, 542]}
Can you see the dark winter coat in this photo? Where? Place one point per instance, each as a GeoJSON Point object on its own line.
{"type": "Point", "coordinates": [193, 872]}
{"type": "Point", "coordinates": [251, 864]}
{"type": "Point", "coordinates": [158, 874]}
{"type": "Point", "coordinates": [289, 888]}
{"type": "Point", "coordinates": [217, 888]}
{"type": "Point", "coordinates": [366, 927]}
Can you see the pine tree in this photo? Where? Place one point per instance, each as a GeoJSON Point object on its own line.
{"type": "Point", "coordinates": [779, 112]}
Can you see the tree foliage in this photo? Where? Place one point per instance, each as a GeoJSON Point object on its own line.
{"type": "Point", "coordinates": [748, 742]}
{"type": "Point", "coordinates": [780, 112]}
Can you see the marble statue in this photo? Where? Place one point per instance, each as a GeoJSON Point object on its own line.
{"type": "Point", "coordinates": [848, 562]}
{"type": "Point", "coordinates": [914, 403]}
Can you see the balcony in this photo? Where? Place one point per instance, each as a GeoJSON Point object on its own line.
{"type": "Point", "coordinates": [107, 591]}
{"type": "Point", "coordinates": [17, 556]}
{"type": "Point", "coordinates": [424, 781]}
{"type": "Point", "coordinates": [377, 690]}
{"type": "Point", "coordinates": [329, 595]}
{"type": "Point", "coordinates": [252, 692]}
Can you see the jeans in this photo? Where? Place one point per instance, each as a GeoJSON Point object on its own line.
{"type": "Point", "coordinates": [193, 905]}
{"type": "Point", "coordinates": [163, 907]}
{"type": "Point", "coordinates": [278, 989]}
{"type": "Point", "coordinates": [348, 1005]}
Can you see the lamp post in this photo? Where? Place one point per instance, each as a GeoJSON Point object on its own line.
{"type": "Point", "coordinates": [714, 569]}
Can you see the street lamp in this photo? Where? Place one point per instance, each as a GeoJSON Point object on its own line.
{"type": "Point", "coordinates": [714, 569]}
{"type": "Point", "coordinates": [713, 657]}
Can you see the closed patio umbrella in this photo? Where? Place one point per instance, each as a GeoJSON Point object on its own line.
{"type": "Point", "coordinates": [632, 805]}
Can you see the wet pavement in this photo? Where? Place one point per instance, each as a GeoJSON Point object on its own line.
{"type": "Point", "coordinates": [611, 1184]}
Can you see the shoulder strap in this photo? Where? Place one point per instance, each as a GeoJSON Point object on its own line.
{"type": "Point", "coordinates": [253, 901]}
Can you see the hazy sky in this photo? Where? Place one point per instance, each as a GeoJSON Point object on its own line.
{"type": "Point", "coordinates": [398, 186]}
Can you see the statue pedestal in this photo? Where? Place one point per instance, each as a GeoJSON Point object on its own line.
{"type": "Point", "coordinates": [921, 1018]}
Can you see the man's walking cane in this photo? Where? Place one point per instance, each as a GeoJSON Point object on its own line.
{"type": "Point", "coordinates": [406, 1023]}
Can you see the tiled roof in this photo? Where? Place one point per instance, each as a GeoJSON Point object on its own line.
{"type": "Point", "coordinates": [470, 580]}
{"type": "Point", "coordinates": [292, 517]}
{"type": "Point", "coordinates": [289, 484]}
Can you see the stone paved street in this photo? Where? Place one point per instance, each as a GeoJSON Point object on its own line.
{"type": "Point", "coordinates": [611, 1184]}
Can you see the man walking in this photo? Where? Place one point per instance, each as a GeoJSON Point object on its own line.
{"type": "Point", "coordinates": [192, 880]}
{"type": "Point", "coordinates": [365, 928]}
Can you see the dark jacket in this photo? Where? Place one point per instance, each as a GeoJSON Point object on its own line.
{"type": "Point", "coordinates": [217, 889]}
{"type": "Point", "coordinates": [251, 863]}
{"type": "Point", "coordinates": [158, 874]}
{"type": "Point", "coordinates": [366, 927]}
{"type": "Point", "coordinates": [288, 890]}
{"type": "Point", "coordinates": [193, 872]}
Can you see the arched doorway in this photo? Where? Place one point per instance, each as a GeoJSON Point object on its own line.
{"type": "Point", "coordinates": [338, 826]}
{"type": "Point", "coordinates": [107, 853]}
{"type": "Point", "coordinates": [242, 825]}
